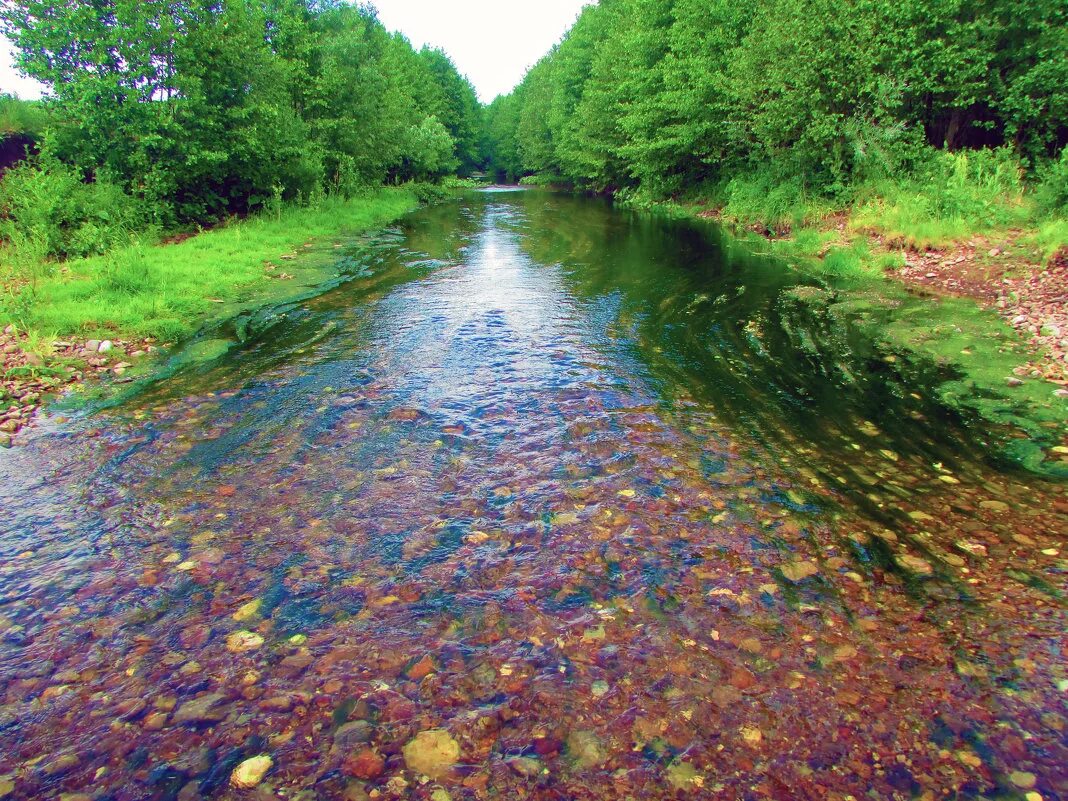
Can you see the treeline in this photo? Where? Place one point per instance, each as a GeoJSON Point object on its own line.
{"type": "Point", "coordinates": [183, 112]}
{"type": "Point", "coordinates": [662, 96]}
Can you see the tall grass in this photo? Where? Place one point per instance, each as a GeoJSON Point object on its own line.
{"type": "Point", "coordinates": [27, 117]}
{"type": "Point", "coordinates": [954, 197]}
{"type": "Point", "coordinates": [780, 203]}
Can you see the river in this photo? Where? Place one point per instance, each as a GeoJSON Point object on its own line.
{"type": "Point", "coordinates": [550, 501]}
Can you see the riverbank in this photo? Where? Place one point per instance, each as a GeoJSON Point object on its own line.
{"type": "Point", "coordinates": [105, 317]}
{"type": "Point", "coordinates": [1015, 273]}
{"type": "Point", "coordinates": [994, 317]}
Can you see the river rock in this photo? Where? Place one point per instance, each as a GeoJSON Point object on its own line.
{"type": "Point", "coordinates": [241, 642]}
{"type": "Point", "coordinates": [204, 709]}
{"type": "Point", "coordinates": [60, 765]}
{"type": "Point", "coordinates": [585, 749]}
{"type": "Point", "coordinates": [93, 345]}
{"type": "Point", "coordinates": [105, 346]}
{"type": "Point", "coordinates": [251, 772]}
{"type": "Point", "coordinates": [352, 734]}
{"type": "Point", "coordinates": [914, 564]}
{"type": "Point", "coordinates": [525, 766]}
{"type": "Point", "coordinates": [799, 571]}
{"type": "Point", "coordinates": [364, 764]}
{"type": "Point", "coordinates": [432, 753]}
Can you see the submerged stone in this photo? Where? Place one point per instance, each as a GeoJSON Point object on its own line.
{"type": "Point", "coordinates": [586, 750]}
{"type": "Point", "coordinates": [432, 753]}
{"type": "Point", "coordinates": [251, 772]}
{"type": "Point", "coordinates": [241, 642]}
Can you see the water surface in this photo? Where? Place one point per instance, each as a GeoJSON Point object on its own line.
{"type": "Point", "coordinates": [616, 508]}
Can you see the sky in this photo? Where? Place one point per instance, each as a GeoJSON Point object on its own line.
{"type": "Point", "coordinates": [492, 42]}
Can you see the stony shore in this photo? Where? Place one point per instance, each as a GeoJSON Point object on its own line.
{"type": "Point", "coordinates": [1032, 298]}
{"type": "Point", "coordinates": [28, 376]}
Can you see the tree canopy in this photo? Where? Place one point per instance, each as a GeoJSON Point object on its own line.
{"type": "Point", "coordinates": [204, 107]}
{"type": "Point", "coordinates": [666, 94]}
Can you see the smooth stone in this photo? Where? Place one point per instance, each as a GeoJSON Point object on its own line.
{"type": "Point", "coordinates": [584, 747]}
{"type": "Point", "coordinates": [201, 710]}
{"type": "Point", "coordinates": [799, 571]}
{"type": "Point", "coordinates": [914, 564]}
{"type": "Point", "coordinates": [251, 772]}
{"type": "Point", "coordinates": [241, 642]}
{"type": "Point", "coordinates": [358, 732]}
{"type": "Point", "coordinates": [60, 765]}
{"type": "Point", "coordinates": [105, 346]}
{"type": "Point", "coordinates": [432, 753]}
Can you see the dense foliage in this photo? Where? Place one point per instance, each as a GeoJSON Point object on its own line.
{"type": "Point", "coordinates": [662, 96]}
{"type": "Point", "coordinates": [203, 108]}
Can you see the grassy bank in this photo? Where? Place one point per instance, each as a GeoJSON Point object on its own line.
{"type": "Point", "coordinates": [982, 235]}
{"type": "Point", "coordinates": [165, 291]}
{"type": "Point", "coordinates": [954, 200]}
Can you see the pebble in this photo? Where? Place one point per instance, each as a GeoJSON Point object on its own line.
{"type": "Point", "coordinates": [525, 766]}
{"type": "Point", "coordinates": [432, 753]}
{"type": "Point", "coordinates": [201, 710]}
{"type": "Point", "coordinates": [914, 564]}
{"type": "Point", "coordinates": [251, 772]}
{"type": "Point", "coordinates": [241, 642]}
{"type": "Point", "coordinates": [366, 764]}
{"type": "Point", "coordinates": [59, 765]}
{"type": "Point", "coordinates": [1023, 779]}
{"type": "Point", "coordinates": [585, 749]}
{"type": "Point", "coordinates": [799, 571]}
{"type": "Point", "coordinates": [105, 346]}
{"type": "Point", "coordinates": [358, 732]}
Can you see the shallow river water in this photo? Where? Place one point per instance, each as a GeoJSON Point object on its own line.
{"type": "Point", "coordinates": [550, 501]}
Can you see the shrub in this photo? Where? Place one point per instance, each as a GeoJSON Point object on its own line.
{"type": "Point", "coordinates": [952, 197]}
{"type": "Point", "coordinates": [1051, 189]}
{"type": "Point", "coordinates": [47, 202]}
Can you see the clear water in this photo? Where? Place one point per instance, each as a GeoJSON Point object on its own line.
{"type": "Point", "coordinates": [624, 511]}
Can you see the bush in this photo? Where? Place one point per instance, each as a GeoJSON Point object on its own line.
{"type": "Point", "coordinates": [1051, 189]}
{"type": "Point", "coordinates": [779, 202]}
{"type": "Point", "coordinates": [429, 193]}
{"type": "Point", "coordinates": [952, 197]}
{"type": "Point", "coordinates": [23, 117]}
{"type": "Point", "coordinates": [48, 202]}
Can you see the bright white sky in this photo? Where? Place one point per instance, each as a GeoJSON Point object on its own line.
{"type": "Point", "coordinates": [492, 42]}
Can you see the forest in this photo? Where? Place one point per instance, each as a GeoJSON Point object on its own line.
{"type": "Point", "coordinates": [171, 114]}
{"type": "Point", "coordinates": [780, 110]}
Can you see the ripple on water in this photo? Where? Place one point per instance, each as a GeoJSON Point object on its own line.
{"type": "Point", "coordinates": [550, 500]}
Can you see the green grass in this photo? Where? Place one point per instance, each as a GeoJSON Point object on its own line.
{"type": "Point", "coordinates": [956, 196]}
{"type": "Point", "coordinates": [764, 199]}
{"type": "Point", "coordinates": [1051, 237]}
{"type": "Point", "coordinates": [166, 291]}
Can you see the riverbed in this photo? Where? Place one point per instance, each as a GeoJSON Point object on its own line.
{"type": "Point", "coordinates": [549, 501]}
